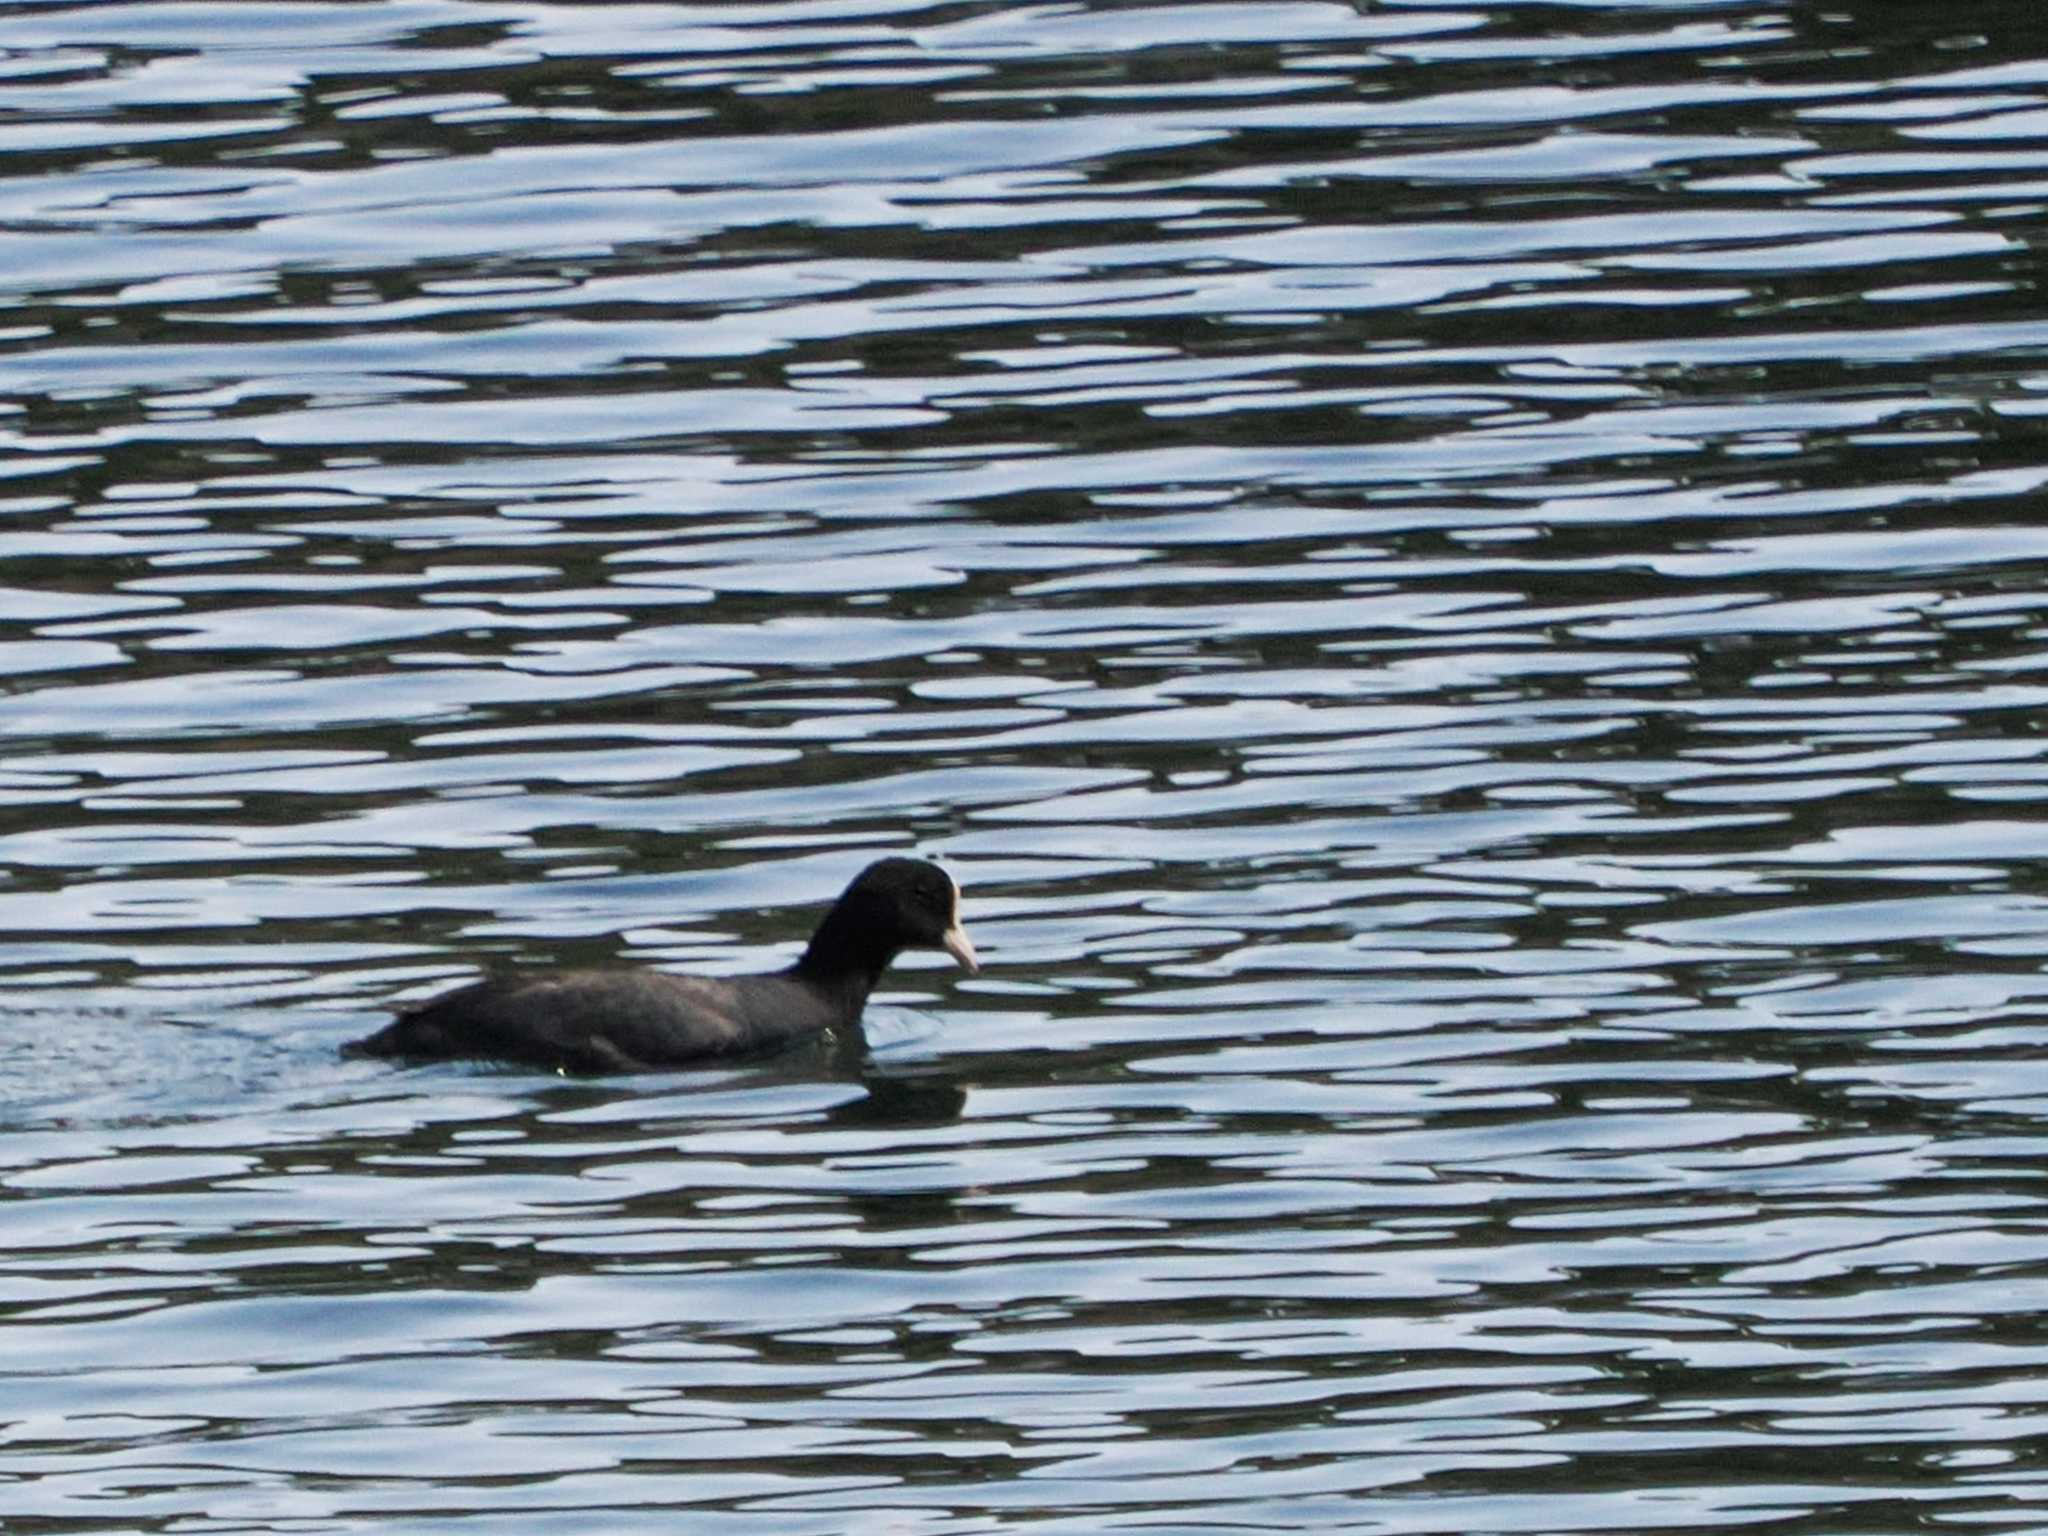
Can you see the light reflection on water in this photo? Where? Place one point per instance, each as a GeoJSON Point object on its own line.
{"type": "Point", "coordinates": [1459, 586]}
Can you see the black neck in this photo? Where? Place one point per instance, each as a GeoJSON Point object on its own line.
{"type": "Point", "coordinates": [841, 961]}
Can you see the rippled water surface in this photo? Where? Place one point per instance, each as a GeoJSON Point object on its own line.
{"type": "Point", "coordinates": [1461, 585]}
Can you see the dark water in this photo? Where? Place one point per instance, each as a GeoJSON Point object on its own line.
{"type": "Point", "coordinates": [1461, 585]}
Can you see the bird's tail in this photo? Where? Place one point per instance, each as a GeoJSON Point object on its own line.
{"type": "Point", "coordinates": [388, 1041]}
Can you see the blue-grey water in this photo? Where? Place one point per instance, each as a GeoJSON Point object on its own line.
{"type": "Point", "coordinates": [1462, 586]}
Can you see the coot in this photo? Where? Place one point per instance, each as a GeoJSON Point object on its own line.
{"type": "Point", "coordinates": [636, 1020]}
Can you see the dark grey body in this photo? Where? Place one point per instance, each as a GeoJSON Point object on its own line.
{"type": "Point", "coordinates": [630, 1020]}
{"type": "Point", "coordinates": [612, 1021]}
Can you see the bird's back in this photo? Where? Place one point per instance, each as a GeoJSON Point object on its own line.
{"type": "Point", "coordinates": [607, 1021]}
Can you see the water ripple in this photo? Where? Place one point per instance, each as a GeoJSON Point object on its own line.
{"type": "Point", "coordinates": [1458, 586]}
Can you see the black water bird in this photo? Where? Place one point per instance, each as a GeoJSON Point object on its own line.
{"type": "Point", "coordinates": [635, 1020]}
